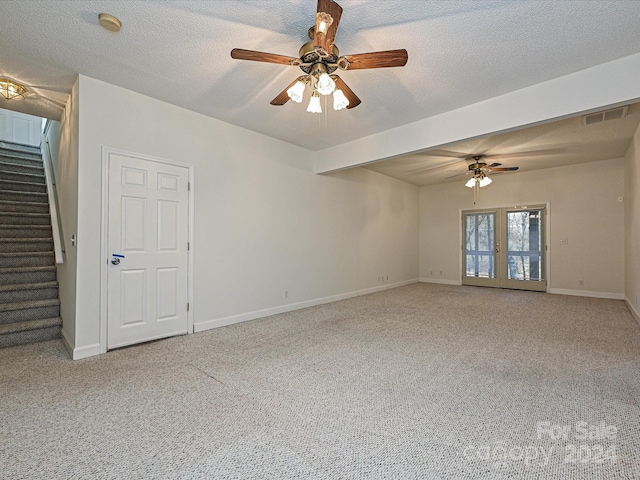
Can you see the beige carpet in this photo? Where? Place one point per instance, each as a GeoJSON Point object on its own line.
{"type": "Point", "coordinates": [420, 382]}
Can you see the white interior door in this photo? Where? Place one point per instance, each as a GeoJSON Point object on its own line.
{"type": "Point", "coordinates": [147, 246]}
{"type": "Point", "coordinates": [19, 127]}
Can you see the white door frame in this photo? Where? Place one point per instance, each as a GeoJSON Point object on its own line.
{"type": "Point", "coordinates": [104, 252]}
{"type": "Point", "coordinates": [547, 226]}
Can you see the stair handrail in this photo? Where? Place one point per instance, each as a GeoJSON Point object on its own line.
{"type": "Point", "coordinates": [52, 193]}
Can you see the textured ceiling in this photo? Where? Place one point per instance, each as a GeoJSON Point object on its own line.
{"type": "Point", "coordinates": [460, 52]}
{"type": "Point", "coordinates": [564, 142]}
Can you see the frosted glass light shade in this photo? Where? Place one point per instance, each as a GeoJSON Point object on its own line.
{"type": "Point", "coordinates": [296, 92]}
{"type": "Point", "coordinates": [314, 104]}
{"type": "Point", "coordinates": [326, 85]}
{"type": "Point", "coordinates": [484, 181]}
{"type": "Point", "coordinates": [339, 100]}
{"type": "Point", "coordinates": [471, 183]}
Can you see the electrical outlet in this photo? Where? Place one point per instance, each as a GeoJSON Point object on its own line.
{"type": "Point", "coordinates": [387, 277]}
{"type": "Point", "coordinates": [431, 273]}
{"type": "Point", "coordinates": [581, 282]}
{"type": "Point", "coordinates": [440, 272]}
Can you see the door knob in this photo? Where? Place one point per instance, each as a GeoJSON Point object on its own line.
{"type": "Point", "coordinates": [115, 258]}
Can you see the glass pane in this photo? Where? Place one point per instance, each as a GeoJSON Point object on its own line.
{"type": "Point", "coordinates": [524, 245]}
{"type": "Point", "coordinates": [480, 245]}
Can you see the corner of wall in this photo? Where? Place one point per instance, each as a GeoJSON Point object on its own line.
{"type": "Point", "coordinates": [632, 224]}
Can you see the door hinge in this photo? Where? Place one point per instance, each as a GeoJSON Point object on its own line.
{"type": "Point", "coordinates": [188, 245]}
{"type": "Point", "coordinates": [188, 185]}
{"type": "Point", "coordinates": [187, 306]}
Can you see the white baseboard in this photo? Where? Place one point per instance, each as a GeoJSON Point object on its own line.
{"type": "Point", "coordinates": [632, 309]}
{"type": "Point", "coordinates": [440, 281]}
{"type": "Point", "coordinates": [78, 353]}
{"type": "Point", "coordinates": [586, 293]}
{"type": "Point", "coordinates": [244, 317]}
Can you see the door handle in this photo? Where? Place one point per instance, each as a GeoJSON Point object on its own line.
{"type": "Point", "coordinates": [115, 258]}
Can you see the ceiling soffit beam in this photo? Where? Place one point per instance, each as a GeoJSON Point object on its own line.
{"type": "Point", "coordinates": [609, 84]}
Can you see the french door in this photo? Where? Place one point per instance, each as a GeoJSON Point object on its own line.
{"type": "Point", "coordinates": [504, 247]}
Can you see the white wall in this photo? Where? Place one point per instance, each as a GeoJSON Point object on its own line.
{"type": "Point", "coordinates": [632, 225]}
{"type": "Point", "coordinates": [264, 222]}
{"type": "Point", "coordinates": [63, 141]}
{"type": "Point", "coordinates": [583, 208]}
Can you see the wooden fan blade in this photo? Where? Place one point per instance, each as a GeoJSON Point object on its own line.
{"type": "Point", "coordinates": [325, 39]}
{"type": "Point", "coordinates": [504, 169]}
{"type": "Point", "coordinates": [388, 58]}
{"type": "Point", "coordinates": [283, 97]}
{"type": "Point", "coordinates": [354, 101]}
{"type": "Point", "coordinates": [241, 54]}
{"type": "Point", "coordinates": [493, 165]}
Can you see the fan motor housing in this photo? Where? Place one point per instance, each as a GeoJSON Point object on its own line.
{"type": "Point", "coordinates": [309, 57]}
{"type": "Point", "coordinates": [477, 166]}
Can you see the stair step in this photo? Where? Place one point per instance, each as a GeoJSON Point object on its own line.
{"type": "Point", "coordinates": [27, 161]}
{"type": "Point", "coordinates": [21, 333]}
{"type": "Point", "coordinates": [19, 148]}
{"type": "Point", "coordinates": [21, 160]}
{"type": "Point", "coordinates": [9, 245]}
{"type": "Point", "coordinates": [25, 231]}
{"type": "Point", "coordinates": [22, 218]}
{"type": "Point", "coordinates": [27, 259]}
{"type": "Point", "coordinates": [24, 207]}
{"type": "Point", "coordinates": [21, 196]}
{"type": "Point", "coordinates": [23, 292]}
{"type": "Point", "coordinates": [7, 175]}
{"type": "Point", "coordinates": [29, 310]}
{"type": "Point", "coordinates": [18, 186]}
{"type": "Point", "coordinates": [34, 154]}
{"type": "Point", "coordinates": [15, 275]}
{"type": "Point", "coordinates": [8, 166]}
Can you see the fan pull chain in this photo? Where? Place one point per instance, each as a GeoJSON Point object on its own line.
{"type": "Point", "coordinates": [326, 112]}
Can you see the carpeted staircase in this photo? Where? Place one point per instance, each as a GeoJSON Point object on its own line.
{"type": "Point", "coordinates": [29, 304]}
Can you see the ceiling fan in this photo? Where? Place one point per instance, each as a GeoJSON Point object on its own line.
{"type": "Point", "coordinates": [319, 58]}
{"type": "Point", "coordinates": [480, 171]}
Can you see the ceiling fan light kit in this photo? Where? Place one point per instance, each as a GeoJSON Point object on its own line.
{"type": "Point", "coordinates": [12, 90]}
{"type": "Point", "coordinates": [319, 59]}
{"type": "Point", "coordinates": [482, 180]}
